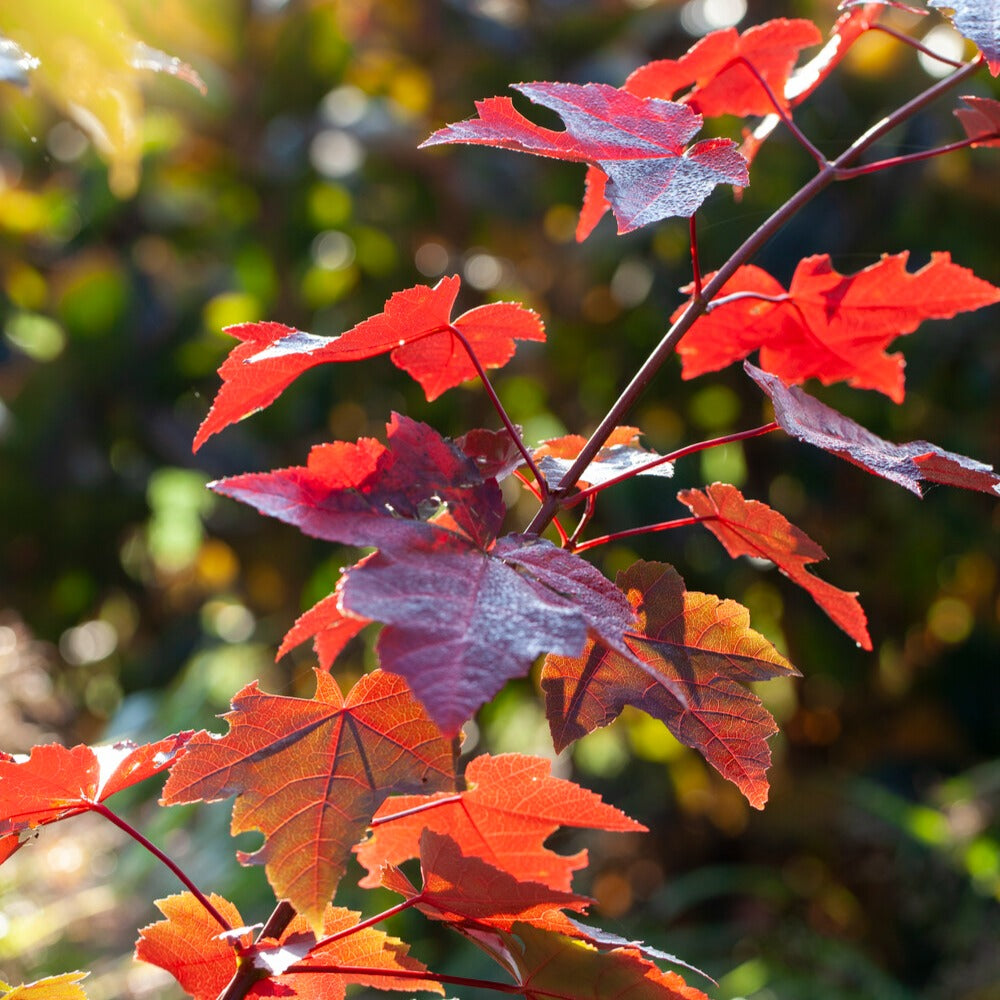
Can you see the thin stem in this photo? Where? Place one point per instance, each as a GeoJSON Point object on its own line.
{"type": "Point", "coordinates": [499, 407]}
{"type": "Point", "coordinates": [926, 154]}
{"type": "Point", "coordinates": [384, 915]}
{"type": "Point", "coordinates": [281, 916]}
{"type": "Point", "coordinates": [696, 307]}
{"type": "Point", "coordinates": [673, 457]}
{"type": "Point", "coordinates": [695, 266]}
{"type": "Point", "coordinates": [914, 44]}
{"type": "Point", "coordinates": [780, 109]}
{"type": "Point", "coordinates": [122, 824]}
{"type": "Point", "coordinates": [588, 513]}
{"type": "Point", "coordinates": [424, 807]}
{"type": "Point", "coordinates": [724, 300]}
{"type": "Point", "coordinates": [680, 522]}
{"type": "Point", "coordinates": [486, 984]}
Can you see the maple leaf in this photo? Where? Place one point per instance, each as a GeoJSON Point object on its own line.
{"type": "Point", "coordinates": [977, 20]}
{"type": "Point", "coordinates": [511, 804]}
{"type": "Point", "coordinates": [613, 460]}
{"type": "Point", "coordinates": [720, 83]}
{"type": "Point", "coordinates": [187, 944]}
{"type": "Point", "coordinates": [56, 782]}
{"type": "Point", "coordinates": [809, 420]}
{"type": "Point", "coordinates": [827, 325]}
{"type": "Point", "coordinates": [981, 119]}
{"type": "Point", "coordinates": [460, 622]}
{"type": "Point", "coordinates": [638, 143]}
{"type": "Point", "coordinates": [549, 965]}
{"type": "Point", "coordinates": [310, 772]}
{"type": "Point", "coordinates": [460, 889]}
{"type": "Point", "coordinates": [64, 987]}
{"type": "Point", "coordinates": [374, 494]}
{"type": "Point", "coordinates": [495, 453]}
{"type": "Point", "coordinates": [415, 329]}
{"type": "Point", "coordinates": [751, 528]}
{"type": "Point", "coordinates": [697, 643]}
{"type": "Point", "coordinates": [327, 625]}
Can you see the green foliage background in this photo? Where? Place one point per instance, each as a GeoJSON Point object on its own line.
{"type": "Point", "coordinates": [133, 603]}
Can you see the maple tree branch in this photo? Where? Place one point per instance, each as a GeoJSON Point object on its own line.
{"type": "Point", "coordinates": [783, 114]}
{"type": "Point", "coordinates": [588, 513]}
{"type": "Point", "coordinates": [281, 916]}
{"type": "Point", "coordinates": [122, 824]}
{"type": "Point", "coordinates": [680, 522]}
{"type": "Point", "coordinates": [695, 266]}
{"type": "Point", "coordinates": [914, 44]}
{"type": "Point", "coordinates": [499, 407]}
{"type": "Point", "coordinates": [696, 307]}
{"type": "Point", "coordinates": [486, 984]}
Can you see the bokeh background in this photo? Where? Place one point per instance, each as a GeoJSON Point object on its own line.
{"type": "Point", "coordinates": [135, 603]}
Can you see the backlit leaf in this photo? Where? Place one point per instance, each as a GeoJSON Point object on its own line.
{"type": "Point", "coordinates": [981, 119]}
{"type": "Point", "coordinates": [827, 325]}
{"type": "Point", "coordinates": [638, 143]}
{"type": "Point", "coordinates": [554, 966]}
{"type": "Point", "coordinates": [56, 782]}
{"type": "Point", "coordinates": [460, 889]}
{"type": "Point", "coordinates": [414, 329]}
{"type": "Point", "coordinates": [719, 82]}
{"type": "Point", "coordinates": [511, 804]}
{"type": "Point", "coordinates": [64, 987]}
{"type": "Point", "coordinates": [908, 464]}
{"type": "Point", "coordinates": [694, 642]}
{"type": "Point", "coordinates": [751, 528]}
{"type": "Point", "coordinates": [310, 772]}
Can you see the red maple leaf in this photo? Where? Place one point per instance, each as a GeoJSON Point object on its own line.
{"type": "Point", "coordinates": [719, 81]}
{"type": "Point", "coordinates": [460, 622]}
{"type": "Point", "coordinates": [374, 494]}
{"type": "Point", "coordinates": [827, 325]}
{"type": "Point", "coordinates": [620, 455]}
{"type": "Point", "coordinates": [56, 782]}
{"type": "Point", "coordinates": [981, 120]}
{"type": "Point", "coordinates": [978, 21]}
{"type": "Point", "coordinates": [495, 453]}
{"type": "Point", "coordinates": [638, 143]}
{"type": "Point", "coordinates": [751, 528]}
{"type": "Point", "coordinates": [549, 965]}
{"type": "Point", "coordinates": [310, 772]}
{"type": "Point", "coordinates": [908, 464]}
{"type": "Point", "coordinates": [694, 642]}
{"type": "Point", "coordinates": [415, 329]}
{"type": "Point", "coordinates": [511, 804]}
{"type": "Point", "coordinates": [466, 890]}
{"type": "Point", "coordinates": [187, 944]}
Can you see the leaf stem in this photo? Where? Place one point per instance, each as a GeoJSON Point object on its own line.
{"type": "Point", "coordinates": [695, 266]}
{"type": "Point", "coordinates": [696, 307]}
{"type": "Point", "coordinates": [103, 810]}
{"type": "Point", "coordinates": [384, 915]}
{"type": "Point", "coordinates": [486, 984]}
{"type": "Point", "coordinates": [673, 457]}
{"type": "Point", "coordinates": [680, 522]}
{"type": "Point", "coordinates": [783, 114]}
{"type": "Point", "coordinates": [423, 807]}
{"type": "Point", "coordinates": [724, 300]}
{"type": "Point", "coordinates": [499, 407]}
{"type": "Point", "coordinates": [926, 154]}
{"type": "Point", "coordinates": [914, 44]}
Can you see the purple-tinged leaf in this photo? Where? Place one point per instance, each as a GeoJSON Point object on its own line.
{"type": "Point", "coordinates": [809, 420]}
{"type": "Point", "coordinates": [639, 143]}
{"type": "Point", "coordinates": [979, 21]}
